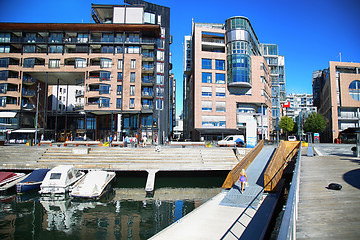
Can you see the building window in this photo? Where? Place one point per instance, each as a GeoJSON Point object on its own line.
{"type": "Point", "coordinates": [354, 89]}
{"type": "Point", "coordinates": [133, 49]}
{"type": "Point", "coordinates": [220, 92]}
{"type": "Point", "coordinates": [104, 89]}
{"type": "Point", "coordinates": [119, 76]}
{"type": "Point", "coordinates": [119, 89]}
{"type": "Point", "coordinates": [220, 106]}
{"type": "Point", "coordinates": [206, 63]}
{"type": "Point", "coordinates": [132, 103]}
{"type": "Point", "coordinates": [206, 106]}
{"type": "Point", "coordinates": [206, 91]}
{"type": "Point", "coordinates": [56, 49]}
{"type": "Point", "coordinates": [160, 67]}
{"type": "Point", "coordinates": [29, 62]}
{"type": "Point", "coordinates": [105, 63]}
{"type": "Point", "coordinates": [6, 49]}
{"type": "Point", "coordinates": [220, 64]}
{"type": "Point", "coordinates": [133, 64]}
{"type": "Point", "coordinates": [120, 64]}
{"type": "Point", "coordinates": [206, 77]}
{"type": "Point", "coordinates": [104, 102]}
{"type": "Point", "coordinates": [105, 76]}
{"type": "Point", "coordinates": [160, 79]}
{"type": "Point", "coordinates": [80, 62]}
{"type": "Point", "coordinates": [132, 77]}
{"type": "Point", "coordinates": [5, 37]}
{"type": "Point", "coordinates": [132, 90]}
{"type": "Point", "coordinates": [118, 103]}
{"type": "Point", "coordinates": [220, 78]}
{"type": "Point", "coordinates": [27, 49]}
{"type": "Point", "coordinates": [54, 63]}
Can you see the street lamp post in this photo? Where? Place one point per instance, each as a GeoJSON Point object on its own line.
{"type": "Point", "coordinates": [37, 113]}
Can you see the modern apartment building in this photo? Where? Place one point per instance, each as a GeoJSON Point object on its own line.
{"type": "Point", "coordinates": [295, 103]}
{"type": "Point", "coordinates": [227, 81]}
{"type": "Point", "coordinates": [336, 93]}
{"type": "Point", "coordinates": [121, 61]}
{"type": "Point", "coordinates": [276, 64]}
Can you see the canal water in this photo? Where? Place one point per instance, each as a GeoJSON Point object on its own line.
{"type": "Point", "coordinates": [124, 212]}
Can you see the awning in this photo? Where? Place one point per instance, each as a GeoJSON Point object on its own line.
{"type": "Point", "coordinates": [24, 131]}
{"type": "Point", "coordinates": [7, 114]}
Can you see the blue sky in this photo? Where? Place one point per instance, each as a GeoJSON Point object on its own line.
{"type": "Point", "coordinates": [309, 33]}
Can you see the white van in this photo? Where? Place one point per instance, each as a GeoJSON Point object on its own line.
{"type": "Point", "coordinates": [232, 141]}
{"type": "Point", "coordinates": [291, 138]}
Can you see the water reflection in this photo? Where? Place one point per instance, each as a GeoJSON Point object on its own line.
{"type": "Point", "coordinates": [122, 213]}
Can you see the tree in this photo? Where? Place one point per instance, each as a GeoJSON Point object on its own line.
{"type": "Point", "coordinates": [315, 123]}
{"type": "Point", "coordinates": [286, 124]}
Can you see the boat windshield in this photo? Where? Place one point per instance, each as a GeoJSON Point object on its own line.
{"type": "Point", "coordinates": [55, 176]}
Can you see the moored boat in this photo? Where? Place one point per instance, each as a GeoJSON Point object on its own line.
{"type": "Point", "coordinates": [93, 185]}
{"type": "Point", "coordinates": [10, 179]}
{"type": "Point", "coordinates": [33, 181]}
{"type": "Point", "coordinates": [60, 179]}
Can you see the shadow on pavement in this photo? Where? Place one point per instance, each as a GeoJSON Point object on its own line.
{"type": "Point", "coordinates": [353, 178]}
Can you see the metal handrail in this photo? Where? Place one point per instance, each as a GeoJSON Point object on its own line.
{"type": "Point", "coordinates": [288, 223]}
{"type": "Point", "coordinates": [249, 205]}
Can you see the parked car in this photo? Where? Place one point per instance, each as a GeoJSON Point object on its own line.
{"type": "Point", "coordinates": [232, 141]}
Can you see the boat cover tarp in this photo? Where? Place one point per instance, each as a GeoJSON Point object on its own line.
{"type": "Point", "coordinates": [36, 176]}
{"type": "Point", "coordinates": [5, 175]}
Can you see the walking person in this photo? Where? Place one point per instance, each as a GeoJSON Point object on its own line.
{"type": "Point", "coordinates": [243, 179]}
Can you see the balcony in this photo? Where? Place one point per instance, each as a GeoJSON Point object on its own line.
{"type": "Point", "coordinates": [28, 80]}
{"type": "Point", "coordinates": [28, 93]}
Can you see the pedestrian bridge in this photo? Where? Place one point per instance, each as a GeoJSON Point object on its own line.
{"type": "Point", "coordinates": [232, 214]}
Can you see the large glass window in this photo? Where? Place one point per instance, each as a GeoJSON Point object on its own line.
{"type": "Point", "coordinates": [29, 49]}
{"type": "Point", "coordinates": [80, 62]}
{"type": "Point", "coordinates": [105, 63]}
{"type": "Point", "coordinates": [206, 77]}
{"type": "Point", "coordinates": [105, 76]}
{"type": "Point", "coordinates": [56, 49]}
{"type": "Point", "coordinates": [5, 37]}
{"type": "Point", "coordinates": [354, 89]}
{"type": "Point", "coordinates": [220, 106]}
{"type": "Point", "coordinates": [220, 78]}
{"type": "Point", "coordinates": [104, 89]}
{"type": "Point", "coordinates": [132, 103]}
{"type": "Point", "coordinates": [220, 64]}
{"type": "Point", "coordinates": [54, 63]}
{"type": "Point", "coordinates": [104, 102]}
{"type": "Point", "coordinates": [206, 63]}
{"type": "Point", "coordinates": [120, 64]}
{"type": "Point", "coordinates": [4, 49]}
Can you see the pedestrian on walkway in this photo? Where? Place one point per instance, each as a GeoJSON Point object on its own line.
{"type": "Point", "coordinates": [243, 179]}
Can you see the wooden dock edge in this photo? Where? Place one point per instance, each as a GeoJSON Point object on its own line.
{"type": "Point", "coordinates": [233, 175]}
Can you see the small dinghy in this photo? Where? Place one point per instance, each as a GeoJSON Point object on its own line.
{"type": "Point", "coordinates": [10, 179]}
{"type": "Point", "coordinates": [93, 185]}
{"type": "Point", "coordinates": [32, 182]}
{"type": "Point", "coordinates": [60, 179]}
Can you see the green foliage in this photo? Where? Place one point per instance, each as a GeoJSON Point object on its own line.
{"type": "Point", "coordinates": [286, 124]}
{"type": "Point", "coordinates": [315, 123]}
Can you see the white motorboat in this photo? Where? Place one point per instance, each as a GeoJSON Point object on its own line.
{"type": "Point", "coordinates": [60, 179]}
{"type": "Point", "coordinates": [93, 185]}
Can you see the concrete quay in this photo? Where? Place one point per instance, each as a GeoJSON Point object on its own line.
{"type": "Point", "coordinates": [21, 157]}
